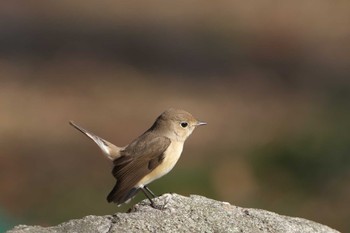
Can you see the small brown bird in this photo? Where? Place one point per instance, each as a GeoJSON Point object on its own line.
{"type": "Point", "coordinates": [148, 157]}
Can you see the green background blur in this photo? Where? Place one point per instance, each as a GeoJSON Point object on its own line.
{"type": "Point", "coordinates": [272, 80]}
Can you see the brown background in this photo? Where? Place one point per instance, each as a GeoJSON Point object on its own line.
{"type": "Point", "coordinates": [270, 78]}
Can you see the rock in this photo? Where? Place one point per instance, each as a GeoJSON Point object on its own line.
{"type": "Point", "coordinates": [184, 214]}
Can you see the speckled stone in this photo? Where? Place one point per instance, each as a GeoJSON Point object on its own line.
{"type": "Point", "coordinates": [185, 214]}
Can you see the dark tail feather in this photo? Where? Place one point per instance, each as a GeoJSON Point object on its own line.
{"type": "Point", "coordinates": [120, 197]}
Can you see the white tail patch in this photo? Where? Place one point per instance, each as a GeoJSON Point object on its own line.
{"type": "Point", "coordinates": [110, 150]}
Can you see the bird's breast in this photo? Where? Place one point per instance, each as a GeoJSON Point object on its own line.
{"type": "Point", "coordinates": [171, 156]}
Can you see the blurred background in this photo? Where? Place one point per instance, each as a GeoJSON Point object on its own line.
{"type": "Point", "coordinates": [270, 78]}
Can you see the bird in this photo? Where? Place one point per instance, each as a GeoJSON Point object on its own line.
{"type": "Point", "coordinates": [150, 156]}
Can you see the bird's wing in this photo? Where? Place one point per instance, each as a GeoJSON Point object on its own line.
{"type": "Point", "coordinates": [110, 150]}
{"type": "Point", "coordinates": [141, 157]}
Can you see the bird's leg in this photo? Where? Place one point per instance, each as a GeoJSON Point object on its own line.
{"type": "Point", "coordinates": [146, 194]}
{"type": "Point", "coordinates": [149, 191]}
{"type": "Point", "coordinates": [150, 199]}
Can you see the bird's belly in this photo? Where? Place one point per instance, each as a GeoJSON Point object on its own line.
{"type": "Point", "coordinates": [171, 156]}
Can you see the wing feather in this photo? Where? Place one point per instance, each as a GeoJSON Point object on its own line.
{"type": "Point", "coordinates": [137, 160]}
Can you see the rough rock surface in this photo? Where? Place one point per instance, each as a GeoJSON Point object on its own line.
{"type": "Point", "coordinates": [184, 214]}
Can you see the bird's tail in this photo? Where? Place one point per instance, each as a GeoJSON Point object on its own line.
{"type": "Point", "coordinates": [110, 150]}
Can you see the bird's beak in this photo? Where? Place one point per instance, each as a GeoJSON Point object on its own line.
{"type": "Point", "coordinates": [200, 123]}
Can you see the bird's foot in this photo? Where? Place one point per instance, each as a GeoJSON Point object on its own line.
{"type": "Point", "coordinates": [156, 206]}
{"type": "Point", "coordinates": [160, 206]}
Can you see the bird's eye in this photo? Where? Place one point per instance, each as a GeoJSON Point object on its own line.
{"type": "Point", "coordinates": [184, 124]}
